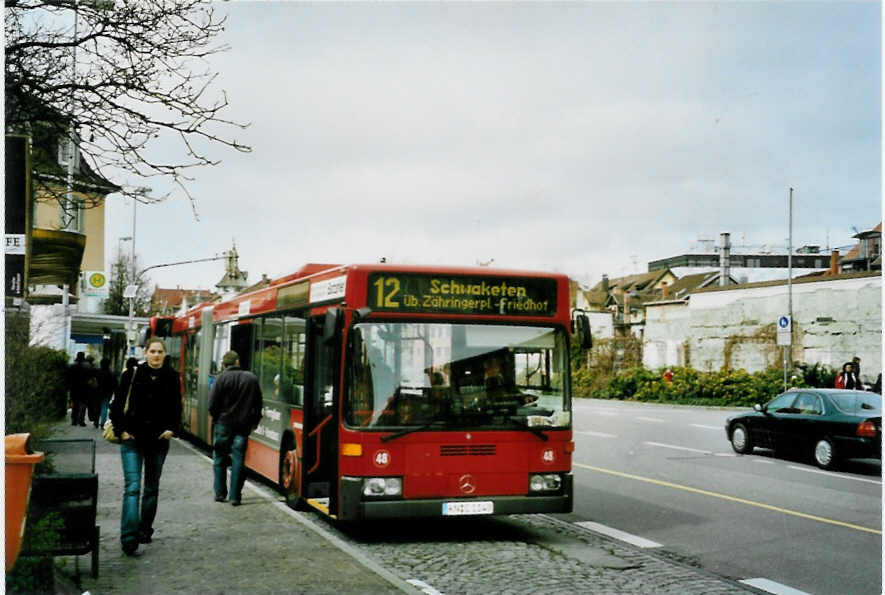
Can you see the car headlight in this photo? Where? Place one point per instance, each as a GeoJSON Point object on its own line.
{"type": "Point", "coordinates": [545, 482]}
{"type": "Point", "coordinates": [375, 487]}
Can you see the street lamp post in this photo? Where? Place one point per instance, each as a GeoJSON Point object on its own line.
{"type": "Point", "coordinates": [130, 293]}
{"type": "Point", "coordinates": [122, 239]}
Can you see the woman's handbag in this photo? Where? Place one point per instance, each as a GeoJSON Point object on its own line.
{"type": "Point", "coordinates": [109, 433]}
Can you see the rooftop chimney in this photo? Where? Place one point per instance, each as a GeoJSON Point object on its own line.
{"type": "Point", "coordinates": [724, 257]}
{"type": "Point", "coordinates": [834, 263]}
{"type": "Point", "coordinates": [605, 283]}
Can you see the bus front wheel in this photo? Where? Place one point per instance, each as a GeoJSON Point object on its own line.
{"type": "Point", "coordinates": [290, 477]}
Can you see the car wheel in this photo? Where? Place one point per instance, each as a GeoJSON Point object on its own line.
{"type": "Point", "coordinates": [825, 454]}
{"type": "Point", "coordinates": [740, 439]}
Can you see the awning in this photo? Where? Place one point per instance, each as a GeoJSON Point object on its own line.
{"type": "Point", "coordinates": [92, 327]}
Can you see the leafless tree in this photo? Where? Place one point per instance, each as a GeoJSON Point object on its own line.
{"type": "Point", "coordinates": [123, 75]}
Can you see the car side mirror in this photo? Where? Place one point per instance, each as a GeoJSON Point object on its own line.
{"type": "Point", "coordinates": [759, 408]}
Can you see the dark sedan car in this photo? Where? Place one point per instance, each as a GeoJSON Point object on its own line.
{"type": "Point", "coordinates": [828, 424]}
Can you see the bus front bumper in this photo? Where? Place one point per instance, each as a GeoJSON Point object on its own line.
{"type": "Point", "coordinates": [354, 507]}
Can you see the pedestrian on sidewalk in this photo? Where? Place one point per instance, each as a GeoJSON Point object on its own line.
{"type": "Point", "coordinates": [130, 364]}
{"type": "Point", "coordinates": [847, 379]}
{"type": "Point", "coordinates": [146, 414]}
{"type": "Point", "coordinates": [93, 395]}
{"type": "Point", "coordinates": [235, 406]}
{"type": "Point", "coordinates": [107, 386]}
{"type": "Point", "coordinates": [77, 389]}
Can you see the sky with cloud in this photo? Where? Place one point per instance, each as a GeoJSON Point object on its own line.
{"type": "Point", "coordinates": [586, 138]}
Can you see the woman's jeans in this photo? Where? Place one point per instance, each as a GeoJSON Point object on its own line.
{"type": "Point", "coordinates": [228, 449]}
{"type": "Point", "coordinates": [135, 456]}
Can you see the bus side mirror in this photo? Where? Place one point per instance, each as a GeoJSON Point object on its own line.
{"type": "Point", "coordinates": [162, 327]}
{"type": "Point", "coordinates": [330, 324]}
{"type": "Point", "coordinates": [582, 329]}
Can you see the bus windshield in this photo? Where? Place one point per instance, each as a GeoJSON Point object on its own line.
{"type": "Point", "coordinates": [454, 376]}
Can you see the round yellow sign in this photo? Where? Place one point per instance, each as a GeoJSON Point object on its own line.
{"type": "Point", "coordinates": [97, 280]}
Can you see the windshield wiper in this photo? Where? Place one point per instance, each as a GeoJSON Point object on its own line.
{"type": "Point", "coordinates": [405, 431]}
{"type": "Point", "coordinates": [536, 431]}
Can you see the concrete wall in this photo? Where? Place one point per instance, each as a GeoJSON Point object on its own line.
{"type": "Point", "coordinates": [601, 325]}
{"type": "Point", "coordinates": [833, 320]}
{"type": "Point", "coordinates": [666, 331]}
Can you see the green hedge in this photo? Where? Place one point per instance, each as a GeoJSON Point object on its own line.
{"type": "Point", "coordinates": [35, 382]}
{"type": "Point", "coordinates": [36, 397]}
{"type": "Point", "coordinates": [731, 388]}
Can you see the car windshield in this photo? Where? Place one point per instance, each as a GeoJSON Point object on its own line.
{"type": "Point", "coordinates": [857, 403]}
{"type": "Point", "coordinates": [410, 375]}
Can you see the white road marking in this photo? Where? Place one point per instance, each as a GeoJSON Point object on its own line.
{"type": "Point", "coordinates": [831, 474]}
{"type": "Point", "coordinates": [772, 587]}
{"type": "Point", "coordinates": [423, 586]}
{"type": "Point", "coordinates": [604, 412]}
{"type": "Point", "coordinates": [628, 537]}
{"type": "Point", "coordinates": [674, 447]}
{"type": "Point", "coordinates": [652, 419]}
{"type": "Point", "coordinates": [597, 434]}
{"type": "Point", "coordinates": [763, 461]}
{"type": "Point", "coordinates": [707, 427]}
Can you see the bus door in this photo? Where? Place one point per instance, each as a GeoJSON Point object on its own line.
{"type": "Point", "coordinates": [320, 439]}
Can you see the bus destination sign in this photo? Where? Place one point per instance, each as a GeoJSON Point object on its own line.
{"type": "Point", "coordinates": [460, 294]}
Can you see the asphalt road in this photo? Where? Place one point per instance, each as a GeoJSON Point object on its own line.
{"type": "Point", "coordinates": [667, 476]}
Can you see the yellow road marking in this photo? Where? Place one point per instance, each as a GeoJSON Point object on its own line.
{"type": "Point", "coordinates": [677, 486]}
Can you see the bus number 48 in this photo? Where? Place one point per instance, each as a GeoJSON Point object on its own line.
{"type": "Point", "coordinates": [382, 458]}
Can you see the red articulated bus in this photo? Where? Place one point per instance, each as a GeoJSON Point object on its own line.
{"type": "Point", "coordinates": [398, 391]}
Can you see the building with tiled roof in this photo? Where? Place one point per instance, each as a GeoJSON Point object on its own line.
{"type": "Point", "coordinates": [166, 302]}
{"type": "Point", "coordinates": [866, 255]}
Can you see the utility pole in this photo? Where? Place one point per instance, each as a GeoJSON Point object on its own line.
{"type": "Point", "coordinates": [134, 203]}
{"type": "Point", "coordinates": [68, 204]}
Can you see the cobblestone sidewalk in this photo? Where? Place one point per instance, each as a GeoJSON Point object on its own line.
{"type": "Point", "coordinates": [201, 546]}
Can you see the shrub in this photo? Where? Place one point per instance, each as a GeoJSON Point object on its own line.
{"type": "Point", "coordinates": [818, 375]}
{"type": "Point", "coordinates": [728, 388]}
{"type": "Point", "coordinates": [35, 382]}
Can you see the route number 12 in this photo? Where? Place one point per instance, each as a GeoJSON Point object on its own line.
{"type": "Point", "coordinates": [386, 299]}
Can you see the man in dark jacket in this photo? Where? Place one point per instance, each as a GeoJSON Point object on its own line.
{"type": "Point", "coordinates": [235, 406]}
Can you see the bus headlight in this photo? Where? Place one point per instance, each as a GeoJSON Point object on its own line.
{"type": "Point", "coordinates": [375, 487]}
{"type": "Point", "coordinates": [545, 482]}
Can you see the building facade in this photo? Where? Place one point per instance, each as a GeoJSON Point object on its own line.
{"type": "Point", "coordinates": [835, 317]}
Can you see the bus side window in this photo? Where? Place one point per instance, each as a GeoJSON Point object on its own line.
{"type": "Point", "coordinates": [222, 346]}
{"type": "Point", "coordinates": [268, 356]}
{"type": "Point", "coordinates": [290, 383]}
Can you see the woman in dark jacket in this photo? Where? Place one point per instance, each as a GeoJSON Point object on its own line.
{"type": "Point", "coordinates": [145, 418]}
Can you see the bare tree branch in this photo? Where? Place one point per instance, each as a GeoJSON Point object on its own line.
{"type": "Point", "coordinates": [142, 76]}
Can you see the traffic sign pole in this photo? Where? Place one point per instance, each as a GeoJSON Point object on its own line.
{"type": "Point", "coordinates": [785, 339]}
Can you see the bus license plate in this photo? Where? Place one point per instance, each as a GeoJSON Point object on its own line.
{"type": "Point", "coordinates": [465, 508]}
